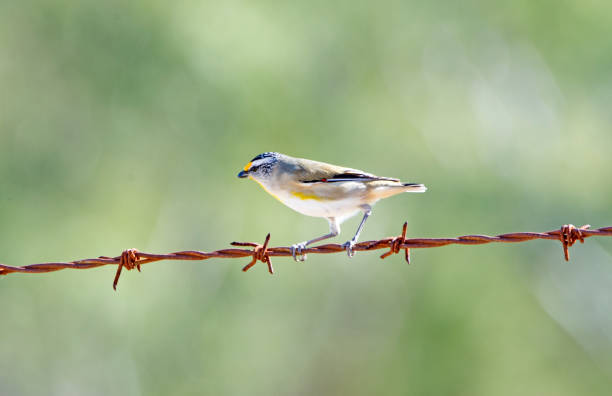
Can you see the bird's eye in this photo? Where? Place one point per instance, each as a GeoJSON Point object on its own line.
{"type": "Point", "coordinates": [253, 168]}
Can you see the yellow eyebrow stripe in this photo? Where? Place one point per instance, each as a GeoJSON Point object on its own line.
{"type": "Point", "coordinates": [247, 166]}
{"type": "Point", "coordinates": [303, 196]}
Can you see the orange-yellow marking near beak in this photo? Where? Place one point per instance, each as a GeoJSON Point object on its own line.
{"type": "Point", "coordinates": [248, 166]}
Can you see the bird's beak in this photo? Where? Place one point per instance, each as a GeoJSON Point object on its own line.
{"type": "Point", "coordinates": [243, 174]}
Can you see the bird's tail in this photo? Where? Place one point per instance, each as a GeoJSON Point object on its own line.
{"type": "Point", "coordinates": [394, 188]}
{"type": "Point", "coordinates": [414, 187]}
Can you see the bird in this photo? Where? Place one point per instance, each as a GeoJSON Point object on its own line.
{"type": "Point", "coordinates": [319, 189]}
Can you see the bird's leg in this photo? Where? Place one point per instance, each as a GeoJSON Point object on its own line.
{"type": "Point", "coordinates": [296, 250]}
{"type": "Point", "coordinates": [367, 210]}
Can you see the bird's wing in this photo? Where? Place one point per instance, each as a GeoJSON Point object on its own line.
{"type": "Point", "coordinates": [320, 172]}
{"type": "Point", "coordinates": [351, 175]}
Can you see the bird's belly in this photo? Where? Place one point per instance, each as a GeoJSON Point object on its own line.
{"type": "Point", "coordinates": [311, 206]}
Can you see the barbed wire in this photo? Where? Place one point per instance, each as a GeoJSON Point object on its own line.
{"type": "Point", "coordinates": [133, 258]}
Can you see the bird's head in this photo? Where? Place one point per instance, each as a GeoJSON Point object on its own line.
{"type": "Point", "coordinates": [260, 168]}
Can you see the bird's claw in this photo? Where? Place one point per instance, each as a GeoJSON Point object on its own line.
{"type": "Point", "coordinates": [349, 247]}
{"type": "Point", "coordinates": [296, 251]}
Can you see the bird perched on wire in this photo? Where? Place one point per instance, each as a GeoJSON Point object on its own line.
{"type": "Point", "coordinates": [322, 190]}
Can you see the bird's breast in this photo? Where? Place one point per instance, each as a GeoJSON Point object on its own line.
{"type": "Point", "coordinates": [321, 200]}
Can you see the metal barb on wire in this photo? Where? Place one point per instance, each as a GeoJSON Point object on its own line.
{"type": "Point", "coordinates": [569, 234]}
{"type": "Point", "coordinates": [396, 245]}
{"type": "Point", "coordinates": [132, 258]}
{"type": "Point", "coordinates": [260, 253]}
{"type": "Point", "coordinates": [129, 260]}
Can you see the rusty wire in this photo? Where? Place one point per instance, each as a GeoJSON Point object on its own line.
{"type": "Point", "coordinates": [132, 258]}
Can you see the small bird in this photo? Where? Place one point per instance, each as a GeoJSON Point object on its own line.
{"type": "Point", "coordinates": [319, 189]}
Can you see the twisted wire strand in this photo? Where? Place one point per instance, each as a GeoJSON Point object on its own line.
{"type": "Point", "coordinates": [132, 258]}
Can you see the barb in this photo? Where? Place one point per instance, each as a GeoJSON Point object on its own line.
{"type": "Point", "coordinates": [569, 235]}
{"type": "Point", "coordinates": [129, 260]}
{"type": "Point", "coordinates": [132, 258]}
{"type": "Point", "coordinates": [260, 253]}
{"type": "Point", "coordinates": [396, 245]}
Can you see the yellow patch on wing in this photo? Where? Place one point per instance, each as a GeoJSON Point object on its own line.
{"type": "Point", "coordinates": [303, 196]}
{"type": "Point", "coordinates": [248, 166]}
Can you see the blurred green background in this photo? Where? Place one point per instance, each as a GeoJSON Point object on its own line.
{"type": "Point", "coordinates": [123, 124]}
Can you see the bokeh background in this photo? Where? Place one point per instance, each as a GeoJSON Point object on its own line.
{"type": "Point", "coordinates": [123, 124]}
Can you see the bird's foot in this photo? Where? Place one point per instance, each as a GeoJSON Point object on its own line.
{"type": "Point", "coordinates": [349, 247]}
{"type": "Point", "coordinates": [296, 251]}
